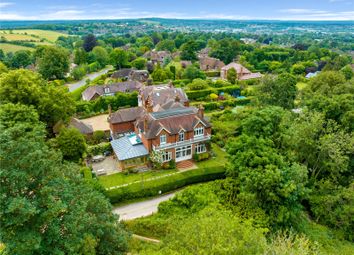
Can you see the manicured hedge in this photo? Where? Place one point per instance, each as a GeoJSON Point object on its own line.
{"type": "Point", "coordinates": [165, 184]}
{"type": "Point", "coordinates": [209, 106]}
{"type": "Point", "coordinates": [202, 94]}
{"type": "Point", "coordinates": [212, 73]}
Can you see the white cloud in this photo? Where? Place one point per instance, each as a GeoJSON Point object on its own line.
{"type": "Point", "coordinates": [313, 14]}
{"type": "Point", "coordinates": [5, 4]}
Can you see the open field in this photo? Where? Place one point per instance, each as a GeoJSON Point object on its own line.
{"type": "Point", "coordinates": [18, 37]}
{"type": "Point", "coordinates": [7, 47]}
{"type": "Point", "coordinates": [38, 34]}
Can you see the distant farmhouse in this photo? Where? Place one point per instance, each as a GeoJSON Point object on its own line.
{"type": "Point", "coordinates": [162, 123]}
{"type": "Point", "coordinates": [242, 72]}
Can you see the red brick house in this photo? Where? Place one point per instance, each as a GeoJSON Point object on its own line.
{"type": "Point", "coordinates": [242, 72]}
{"type": "Point", "coordinates": [164, 123]}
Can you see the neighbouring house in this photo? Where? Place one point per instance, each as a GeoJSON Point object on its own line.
{"type": "Point", "coordinates": [242, 72]}
{"type": "Point", "coordinates": [139, 75]}
{"type": "Point", "coordinates": [185, 63]}
{"type": "Point", "coordinates": [162, 97]}
{"type": "Point", "coordinates": [175, 133]}
{"type": "Point", "coordinates": [210, 64]}
{"type": "Point", "coordinates": [84, 128]}
{"type": "Point", "coordinates": [311, 74]}
{"type": "Point", "coordinates": [93, 92]}
{"type": "Point", "coordinates": [131, 74]}
{"type": "Point", "coordinates": [157, 57]}
{"type": "Point", "coordinates": [204, 53]}
{"type": "Point", "coordinates": [122, 73]}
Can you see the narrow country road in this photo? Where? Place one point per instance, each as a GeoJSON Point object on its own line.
{"type": "Point", "coordinates": [141, 209]}
{"type": "Point", "coordinates": [91, 76]}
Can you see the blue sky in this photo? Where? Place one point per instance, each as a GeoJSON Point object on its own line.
{"type": "Point", "coordinates": [186, 9]}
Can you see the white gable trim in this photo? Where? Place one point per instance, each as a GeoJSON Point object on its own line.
{"type": "Point", "coordinates": [199, 121]}
{"type": "Point", "coordinates": [162, 128]}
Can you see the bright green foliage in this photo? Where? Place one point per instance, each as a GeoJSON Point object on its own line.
{"type": "Point", "coordinates": [160, 74]}
{"type": "Point", "coordinates": [192, 72]}
{"type": "Point", "coordinates": [321, 146]}
{"type": "Point", "coordinates": [334, 206]}
{"type": "Point", "coordinates": [264, 175]}
{"type": "Point", "coordinates": [139, 63]}
{"type": "Point", "coordinates": [80, 56]}
{"type": "Point", "coordinates": [26, 87]}
{"type": "Point", "coordinates": [213, 231]}
{"type": "Point", "coordinates": [198, 84]}
{"type": "Point", "coordinates": [3, 68]}
{"type": "Point", "coordinates": [100, 55]}
{"type": "Point", "coordinates": [46, 207]}
{"type": "Point", "coordinates": [71, 143]}
{"type": "Point", "coordinates": [298, 69]}
{"type": "Point", "coordinates": [53, 62]}
{"type": "Point", "coordinates": [225, 50]}
{"type": "Point", "coordinates": [347, 71]}
{"type": "Point", "coordinates": [327, 83]}
{"type": "Point", "coordinates": [280, 91]}
{"type": "Point", "coordinates": [119, 58]}
{"type": "Point", "coordinates": [168, 45]}
{"type": "Point", "coordinates": [232, 75]}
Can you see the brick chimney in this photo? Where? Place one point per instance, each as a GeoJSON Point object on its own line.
{"type": "Point", "coordinates": [109, 110]}
{"type": "Point", "coordinates": [149, 106]}
{"type": "Point", "coordinates": [145, 123]}
{"type": "Point", "coordinates": [201, 111]}
{"type": "Point", "coordinates": [177, 98]}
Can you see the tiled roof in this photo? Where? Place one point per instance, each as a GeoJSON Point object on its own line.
{"type": "Point", "coordinates": [238, 67]}
{"type": "Point", "coordinates": [250, 76]}
{"type": "Point", "coordinates": [124, 149]}
{"type": "Point", "coordinates": [172, 121]}
{"type": "Point", "coordinates": [126, 115]}
{"type": "Point", "coordinates": [82, 127]}
{"type": "Point", "coordinates": [127, 86]}
{"type": "Point", "coordinates": [122, 73]}
{"type": "Point", "coordinates": [162, 94]}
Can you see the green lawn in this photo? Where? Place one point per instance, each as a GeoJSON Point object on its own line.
{"type": "Point", "coordinates": [122, 178]}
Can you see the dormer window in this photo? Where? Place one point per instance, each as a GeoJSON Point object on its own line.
{"type": "Point", "coordinates": [199, 131]}
{"type": "Point", "coordinates": [162, 139]}
{"type": "Point", "coordinates": [106, 90]}
{"type": "Point", "coordinates": [181, 136]}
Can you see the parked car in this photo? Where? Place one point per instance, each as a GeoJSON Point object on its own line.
{"type": "Point", "coordinates": [101, 172]}
{"type": "Point", "coordinates": [98, 158]}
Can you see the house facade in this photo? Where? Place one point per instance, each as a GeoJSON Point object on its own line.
{"type": "Point", "coordinates": [163, 123]}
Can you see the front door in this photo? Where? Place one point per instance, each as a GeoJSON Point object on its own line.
{"type": "Point", "coordinates": [183, 153]}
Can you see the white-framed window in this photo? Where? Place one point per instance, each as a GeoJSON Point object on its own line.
{"type": "Point", "coordinates": [199, 131]}
{"type": "Point", "coordinates": [181, 136]}
{"type": "Point", "coordinates": [106, 90]}
{"type": "Point", "coordinates": [166, 156]}
{"type": "Point", "coordinates": [162, 139]}
{"type": "Point", "coordinates": [200, 148]}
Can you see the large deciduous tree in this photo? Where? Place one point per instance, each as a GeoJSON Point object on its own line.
{"type": "Point", "coordinates": [26, 87]}
{"type": "Point", "coordinates": [46, 207]}
{"type": "Point", "coordinates": [53, 62]}
{"type": "Point", "coordinates": [71, 143]}
{"type": "Point", "coordinates": [89, 43]}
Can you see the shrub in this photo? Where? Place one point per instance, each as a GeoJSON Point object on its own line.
{"type": "Point", "coordinates": [99, 149]}
{"type": "Point", "coordinates": [204, 94]}
{"type": "Point", "coordinates": [86, 173]}
{"type": "Point", "coordinates": [201, 156]}
{"type": "Point", "coordinates": [164, 184]}
{"type": "Point", "coordinates": [209, 106]}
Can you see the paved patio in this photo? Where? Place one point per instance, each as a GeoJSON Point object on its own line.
{"type": "Point", "coordinates": [98, 122]}
{"type": "Point", "coordinates": [109, 164]}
